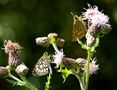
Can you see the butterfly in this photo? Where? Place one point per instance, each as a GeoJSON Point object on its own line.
{"type": "Point", "coordinates": [79, 28]}
{"type": "Point", "coordinates": [42, 66]}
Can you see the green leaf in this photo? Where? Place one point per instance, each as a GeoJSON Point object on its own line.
{"type": "Point", "coordinates": [65, 73]}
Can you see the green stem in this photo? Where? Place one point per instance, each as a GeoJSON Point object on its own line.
{"type": "Point", "coordinates": [88, 67]}
{"type": "Point", "coordinates": [55, 47]}
{"type": "Point", "coordinates": [81, 82]}
{"type": "Point", "coordinates": [18, 80]}
{"type": "Point", "coordinates": [81, 85]}
{"type": "Point", "coordinates": [23, 82]}
{"type": "Point", "coordinates": [28, 84]}
{"type": "Point", "coordinates": [47, 85]}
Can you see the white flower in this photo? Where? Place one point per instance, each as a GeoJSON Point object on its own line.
{"type": "Point", "coordinates": [58, 57]}
{"type": "Point", "coordinates": [96, 17]}
{"type": "Point", "coordinates": [91, 12]}
{"type": "Point", "coordinates": [93, 67]}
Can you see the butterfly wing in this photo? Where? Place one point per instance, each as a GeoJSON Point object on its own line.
{"type": "Point", "coordinates": [79, 28]}
{"type": "Point", "coordinates": [43, 66]}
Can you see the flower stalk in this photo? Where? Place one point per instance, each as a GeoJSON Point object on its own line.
{"type": "Point", "coordinates": [24, 82]}
{"type": "Point", "coordinates": [88, 67]}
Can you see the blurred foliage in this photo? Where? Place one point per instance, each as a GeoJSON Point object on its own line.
{"type": "Point", "coordinates": [24, 20]}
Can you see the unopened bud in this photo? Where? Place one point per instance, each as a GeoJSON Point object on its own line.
{"type": "Point", "coordinates": [52, 35]}
{"type": "Point", "coordinates": [42, 41]}
{"type": "Point", "coordinates": [105, 29]}
{"type": "Point", "coordinates": [60, 42]}
{"type": "Point", "coordinates": [69, 62]}
{"type": "Point", "coordinates": [22, 69]}
{"type": "Point", "coordinates": [81, 61]}
{"type": "Point", "coordinates": [3, 72]}
{"type": "Point", "coordinates": [91, 40]}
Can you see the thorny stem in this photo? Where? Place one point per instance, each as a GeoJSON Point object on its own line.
{"type": "Point", "coordinates": [88, 67]}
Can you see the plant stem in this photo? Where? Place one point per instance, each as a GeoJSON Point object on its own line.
{"type": "Point", "coordinates": [55, 47]}
{"type": "Point", "coordinates": [18, 80]}
{"type": "Point", "coordinates": [28, 84]}
{"type": "Point", "coordinates": [88, 67]}
{"type": "Point", "coordinates": [81, 85]}
{"type": "Point", "coordinates": [23, 82]}
{"type": "Point", "coordinates": [81, 82]}
{"type": "Point", "coordinates": [47, 85]}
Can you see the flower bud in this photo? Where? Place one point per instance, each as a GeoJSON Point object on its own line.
{"type": "Point", "coordinates": [105, 29]}
{"type": "Point", "coordinates": [81, 61]}
{"type": "Point", "coordinates": [42, 41]}
{"type": "Point", "coordinates": [60, 42]}
{"type": "Point", "coordinates": [13, 51]}
{"type": "Point", "coordinates": [69, 62]}
{"type": "Point", "coordinates": [51, 35]}
{"type": "Point", "coordinates": [22, 69]}
{"type": "Point", "coordinates": [3, 72]}
{"type": "Point", "coordinates": [91, 40]}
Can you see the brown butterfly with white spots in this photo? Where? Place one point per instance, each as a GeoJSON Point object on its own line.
{"type": "Point", "coordinates": [42, 66]}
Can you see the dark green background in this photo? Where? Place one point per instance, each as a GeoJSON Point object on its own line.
{"type": "Point", "coordinates": [24, 20]}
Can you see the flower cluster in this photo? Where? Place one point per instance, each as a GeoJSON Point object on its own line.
{"type": "Point", "coordinates": [14, 67]}
{"type": "Point", "coordinates": [91, 25]}
{"type": "Point", "coordinates": [96, 21]}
